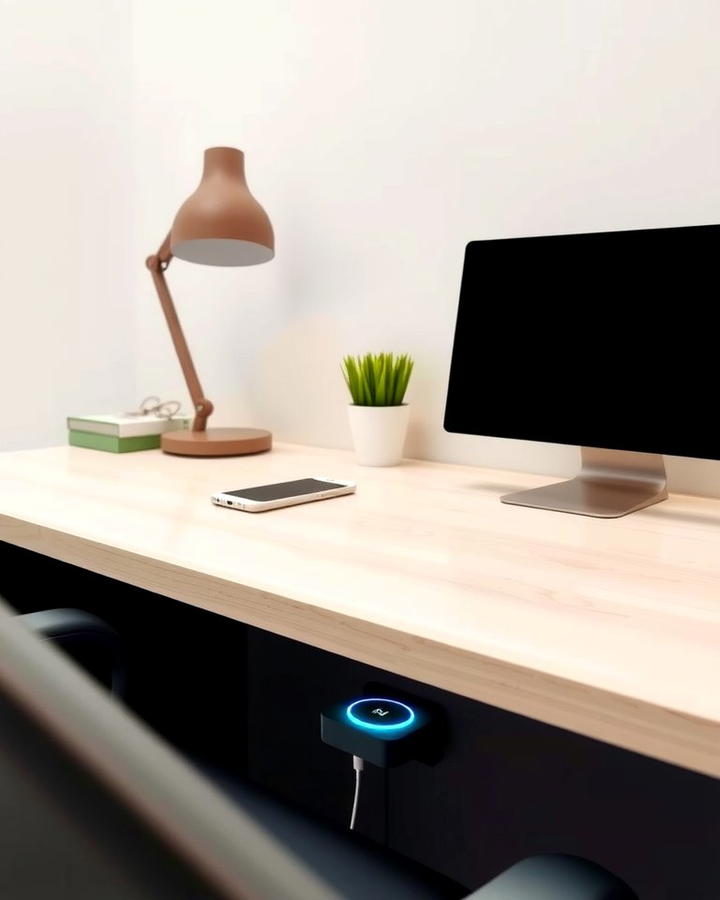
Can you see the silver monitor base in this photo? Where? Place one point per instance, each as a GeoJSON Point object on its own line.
{"type": "Point", "coordinates": [611, 483]}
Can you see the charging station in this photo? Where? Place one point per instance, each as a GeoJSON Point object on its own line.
{"type": "Point", "coordinates": [383, 727]}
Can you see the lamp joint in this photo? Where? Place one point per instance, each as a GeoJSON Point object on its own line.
{"type": "Point", "coordinates": [203, 409]}
{"type": "Point", "coordinates": [156, 263]}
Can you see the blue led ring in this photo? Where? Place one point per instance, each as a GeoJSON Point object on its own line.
{"type": "Point", "coordinates": [372, 726]}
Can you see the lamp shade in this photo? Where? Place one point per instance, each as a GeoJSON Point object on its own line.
{"type": "Point", "coordinates": [222, 224]}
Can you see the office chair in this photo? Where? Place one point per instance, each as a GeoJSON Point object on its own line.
{"type": "Point", "coordinates": [88, 639]}
{"type": "Point", "coordinates": [344, 864]}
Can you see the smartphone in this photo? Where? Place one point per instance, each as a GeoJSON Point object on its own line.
{"type": "Point", "coordinates": [284, 493]}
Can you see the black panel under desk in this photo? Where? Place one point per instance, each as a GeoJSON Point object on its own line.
{"type": "Point", "coordinates": [186, 666]}
{"type": "Point", "coordinates": [507, 787]}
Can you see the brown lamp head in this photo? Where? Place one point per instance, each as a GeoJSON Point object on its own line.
{"type": "Point", "coordinates": [222, 224]}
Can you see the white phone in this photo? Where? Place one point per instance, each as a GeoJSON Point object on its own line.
{"type": "Point", "coordinates": [284, 493]}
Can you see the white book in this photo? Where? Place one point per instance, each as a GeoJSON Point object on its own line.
{"type": "Point", "coordinates": [127, 426]}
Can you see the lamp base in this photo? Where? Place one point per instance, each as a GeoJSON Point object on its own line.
{"type": "Point", "coordinates": [217, 442]}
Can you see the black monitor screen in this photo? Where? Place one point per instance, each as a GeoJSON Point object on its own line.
{"type": "Point", "coordinates": [602, 340]}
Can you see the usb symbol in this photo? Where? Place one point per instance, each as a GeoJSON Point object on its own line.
{"type": "Point", "coordinates": [380, 712]}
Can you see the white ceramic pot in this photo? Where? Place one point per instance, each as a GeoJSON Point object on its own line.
{"type": "Point", "coordinates": [379, 433]}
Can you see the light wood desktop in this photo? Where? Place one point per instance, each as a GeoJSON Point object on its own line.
{"type": "Point", "coordinates": [610, 628]}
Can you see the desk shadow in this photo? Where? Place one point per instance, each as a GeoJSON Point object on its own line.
{"type": "Point", "coordinates": [661, 511]}
{"type": "Point", "coordinates": [492, 488]}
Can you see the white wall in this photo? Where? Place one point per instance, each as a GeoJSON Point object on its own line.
{"type": "Point", "coordinates": [66, 316]}
{"type": "Point", "coordinates": [380, 136]}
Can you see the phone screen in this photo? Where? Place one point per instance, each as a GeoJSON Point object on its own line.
{"type": "Point", "coordinates": [283, 489]}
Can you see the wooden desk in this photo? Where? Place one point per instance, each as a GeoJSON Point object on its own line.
{"type": "Point", "coordinates": [610, 628]}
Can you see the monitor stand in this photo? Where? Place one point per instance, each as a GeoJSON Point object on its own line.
{"type": "Point", "coordinates": [611, 483]}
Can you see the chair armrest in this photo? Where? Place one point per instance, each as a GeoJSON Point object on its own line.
{"type": "Point", "coordinates": [67, 625]}
{"type": "Point", "coordinates": [554, 877]}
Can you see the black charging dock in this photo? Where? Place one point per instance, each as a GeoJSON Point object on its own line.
{"type": "Point", "coordinates": [384, 727]}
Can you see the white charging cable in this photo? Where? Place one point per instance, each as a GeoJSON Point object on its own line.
{"type": "Point", "coordinates": [358, 766]}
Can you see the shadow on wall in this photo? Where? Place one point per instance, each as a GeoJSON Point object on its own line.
{"type": "Point", "coordinates": [306, 352]}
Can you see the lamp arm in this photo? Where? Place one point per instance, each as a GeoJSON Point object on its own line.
{"type": "Point", "coordinates": [157, 265]}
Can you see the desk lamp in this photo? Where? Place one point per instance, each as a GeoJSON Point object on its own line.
{"type": "Point", "coordinates": [221, 224]}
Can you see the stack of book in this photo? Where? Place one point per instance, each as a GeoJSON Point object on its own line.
{"type": "Point", "coordinates": [121, 434]}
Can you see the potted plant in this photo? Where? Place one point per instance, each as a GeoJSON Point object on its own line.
{"type": "Point", "coordinates": [378, 415]}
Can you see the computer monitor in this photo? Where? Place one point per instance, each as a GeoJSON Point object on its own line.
{"type": "Point", "coordinates": [606, 340]}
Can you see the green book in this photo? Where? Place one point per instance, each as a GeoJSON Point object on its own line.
{"type": "Point", "coordinates": [112, 444]}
